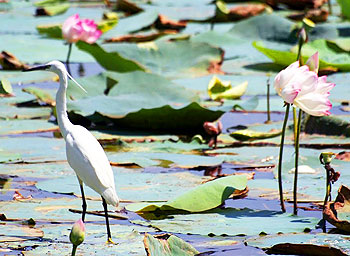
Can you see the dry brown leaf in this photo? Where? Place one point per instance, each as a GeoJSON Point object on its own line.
{"type": "Point", "coordinates": [128, 7]}
{"type": "Point", "coordinates": [18, 196]}
{"type": "Point", "coordinates": [245, 11]}
{"type": "Point", "coordinates": [215, 66]}
{"type": "Point", "coordinates": [344, 156]}
{"type": "Point", "coordinates": [165, 23]}
{"type": "Point", "coordinates": [8, 61]}
{"type": "Point", "coordinates": [316, 15]}
{"type": "Point", "coordinates": [305, 249]}
{"type": "Point", "coordinates": [298, 4]}
{"type": "Point", "coordinates": [341, 204]}
{"type": "Point", "coordinates": [140, 38]}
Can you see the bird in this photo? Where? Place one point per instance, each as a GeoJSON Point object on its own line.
{"type": "Point", "coordinates": [84, 153]}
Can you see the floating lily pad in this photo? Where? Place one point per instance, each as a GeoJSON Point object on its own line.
{"type": "Point", "coordinates": [51, 10]}
{"type": "Point", "coordinates": [130, 185]}
{"type": "Point", "coordinates": [128, 105]}
{"type": "Point", "coordinates": [167, 245]}
{"type": "Point", "coordinates": [14, 233]}
{"type": "Point", "coordinates": [232, 222]}
{"type": "Point", "coordinates": [329, 57]}
{"type": "Point", "coordinates": [170, 59]}
{"type": "Point", "coordinates": [204, 197]}
{"type": "Point", "coordinates": [144, 115]}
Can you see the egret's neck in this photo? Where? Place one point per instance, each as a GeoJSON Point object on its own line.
{"type": "Point", "coordinates": [61, 106]}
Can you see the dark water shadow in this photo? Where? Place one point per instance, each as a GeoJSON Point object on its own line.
{"type": "Point", "coordinates": [266, 67]}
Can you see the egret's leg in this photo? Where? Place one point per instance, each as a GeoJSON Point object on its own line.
{"type": "Point", "coordinates": [109, 239]}
{"type": "Point", "coordinates": [84, 205]}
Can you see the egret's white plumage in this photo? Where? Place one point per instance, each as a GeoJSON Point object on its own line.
{"type": "Point", "coordinates": [87, 158]}
{"type": "Point", "coordinates": [84, 153]}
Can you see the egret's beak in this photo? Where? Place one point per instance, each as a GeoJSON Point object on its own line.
{"type": "Point", "coordinates": [41, 67]}
{"type": "Point", "coordinates": [81, 87]}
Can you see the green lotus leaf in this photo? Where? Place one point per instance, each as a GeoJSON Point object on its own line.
{"type": "Point", "coordinates": [202, 198]}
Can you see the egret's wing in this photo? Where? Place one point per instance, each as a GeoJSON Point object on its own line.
{"type": "Point", "coordinates": [88, 159]}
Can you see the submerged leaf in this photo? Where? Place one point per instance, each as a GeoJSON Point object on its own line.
{"type": "Point", "coordinates": [204, 197]}
{"type": "Point", "coordinates": [218, 89]}
{"type": "Point", "coordinates": [167, 245]}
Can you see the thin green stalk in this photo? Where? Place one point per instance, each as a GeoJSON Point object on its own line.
{"type": "Point", "coordinates": [328, 190]}
{"type": "Point", "coordinates": [295, 211]}
{"type": "Point", "coordinates": [329, 7]}
{"type": "Point", "coordinates": [74, 250]}
{"type": "Point", "coordinates": [300, 45]}
{"type": "Point", "coordinates": [268, 100]}
{"type": "Point", "coordinates": [280, 187]}
{"type": "Point", "coordinates": [295, 124]}
{"type": "Point", "coordinates": [68, 56]}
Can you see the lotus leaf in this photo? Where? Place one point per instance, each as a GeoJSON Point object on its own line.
{"type": "Point", "coordinates": [202, 198]}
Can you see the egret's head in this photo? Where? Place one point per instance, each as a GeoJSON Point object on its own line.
{"type": "Point", "coordinates": [56, 67]}
{"type": "Point", "coordinates": [53, 66]}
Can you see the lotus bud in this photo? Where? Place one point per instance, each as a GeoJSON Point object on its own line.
{"type": "Point", "coordinates": [303, 35]}
{"type": "Point", "coordinates": [211, 128]}
{"type": "Point", "coordinates": [77, 234]}
{"type": "Point", "coordinates": [313, 63]}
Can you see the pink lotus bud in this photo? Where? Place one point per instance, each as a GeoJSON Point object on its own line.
{"type": "Point", "coordinates": [75, 29]}
{"type": "Point", "coordinates": [77, 234]}
{"type": "Point", "coordinates": [212, 128]}
{"type": "Point", "coordinates": [313, 63]}
{"type": "Point", "coordinates": [303, 35]}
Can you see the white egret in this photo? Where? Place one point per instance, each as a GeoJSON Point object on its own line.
{"type": "Point", "coordinates": [84, 153]}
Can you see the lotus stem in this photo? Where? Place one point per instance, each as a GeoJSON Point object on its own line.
{"type": "Point", "coordinates": [74, 250]}
{"type": "Point", "coordinates": [295, 124]}
{"type": "Point", "coordinates": [280, 187]}
{"type": "Point", "coordinates": [295, 211]}
{"type": "Point", "coordinates": [329, 7]}
{"type": "Point", "coordinates": [68, 56]}
{"type": "Point", "coordinates": [328, 187]}
{"type": "Point", "coordinates": [268, 101]}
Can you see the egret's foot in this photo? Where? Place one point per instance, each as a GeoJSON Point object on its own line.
{"type": "Point", "coordinates": [110, 241]}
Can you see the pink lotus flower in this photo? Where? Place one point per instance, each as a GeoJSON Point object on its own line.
{"type": "Point", "coordinates": [75, 29]}
{"type": "Point", "coordinates": [303, 88]}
